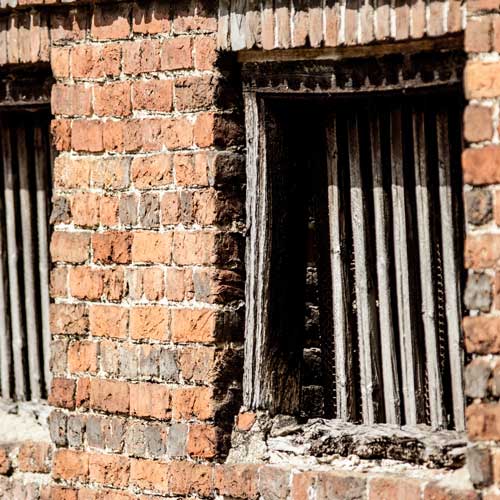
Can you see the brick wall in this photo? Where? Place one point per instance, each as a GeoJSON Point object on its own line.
{"type": "Point", "coordinates": [147, 246]}
{"type": "Point", "coordinates": [481, 164]}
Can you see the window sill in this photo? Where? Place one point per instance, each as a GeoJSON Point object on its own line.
{"type": "Point", "coordinates": [320, 441]}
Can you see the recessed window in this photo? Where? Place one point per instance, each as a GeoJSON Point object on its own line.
{"type": "Point", "coordinates": [354, 258]}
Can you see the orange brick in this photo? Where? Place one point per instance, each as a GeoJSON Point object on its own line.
{"type": "Point", "coordinates": [482, 251]}
{"type": "Point", "coordinates": [150, 400]}
{"type": "Point", "coordinates": [82, 394]}
{"type": "Point", "coordinates": [111, 22]}
{"type": "Point", "coordinates": [112, 99]}
{"type": "Point", "coordinates": [60, 131]}
{"type": "Point", "coordinates": [86, 135]}
{"type": "Point", "coordinates": [62, 393]}
{"type": "Point", "coordinates": [190, 478]}
{"type": "Point", "coordinates": [478, 34]}
{"type": "Point", "coordinates": [59, 61]}
{"type": "Point", "coordinates": [149, 323]}
{"type": "Point", "coordinates": [149, 475]}
{"type": "Point", "coordinates": [70, 247]}
{"type": "Point", "coordinates": [176, 53]}
{"type": "Point", "coordinates": [95, 61]}
{"type": "Point", "coordinates": [394, 487]}
{"type": "Point", "coordinates": [193, 325]}
{"type": "Point", "coordinates": [112, 247]}
{"type": "Point", "coordinates": [86, 283]}
{"type": "Point", "coordinates": [109, 395]}
{"type": "Point", "coordinates": [246, 420]}
{"type": "Point", "coordinates": [179, 285]}
{"type": "Point", "coordinates": [151, 18]}
{"type": "Point", "coordinates": [482, 334]}
{"type": "Point", "coordinates": [108, 321]}
{"type": "Point", "coordinates": [108, 209]}
{"type": "Point", "coordinates": [152, 247]}
{"type": "Point", "coordinates": [147, 282]}
{"type": "Point", "coordinates": [141, 56]}
{"type": "Point", "coordinates": [193, 247]}
{"type": "Point", "coordinates": [177, 133]}
{"type": "Point", "coordinates": [5, 463]}
{"type": "Point", "coordinates": [72, 100]}
{"type": "Point", "coordinates": [481, 165]}
{"type": "Point", "coordinates": [482, 79]}
{"type": "Point", "coordinates": [59, 282]}
{"type": "Point", "coordinates": [190, 170]}
{"type": "Point", "coordinates": [111, 470]}
{"type": "Point", "coordinates": [72, 173]}
{"type": "Point", "coordinates": [192, 402]}
{"type": "Point", "coordinates": [110, 173]}
{"type": "Point", "coordinates": [238, 481]}
{"type": "Point", "coordinates": [478, 123]}
{"type": "Point", "coordinates": [82, 357]}
{"type": "Point", "coordinates": [85, 209]}
{"type": "Point", "coordinates": [202, 441]}
{"type": "Point", "coordinates": [205, 52]}
{"type": "Point", "coordinates": [70, 465]}
{"type": "Point", "coordinates": [69, 319]}
{"type": "Point", "coordinates": [152, 171]}
{"type": "Point", "coordinates": [153, 95]}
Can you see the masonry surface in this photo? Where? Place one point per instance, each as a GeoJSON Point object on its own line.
{"type": "Point", "coordinates": [147, 247]}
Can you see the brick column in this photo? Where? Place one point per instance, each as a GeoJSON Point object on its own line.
{"type": "Point", "coordinates": [481, 167]}
{"type": "Point", "coordinates": [147, 252]}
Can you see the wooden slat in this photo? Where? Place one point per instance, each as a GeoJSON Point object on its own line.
{"type": "Point", "coordinates": [340, 292]}
{"type": "Point", "coordinates": [5, 336]}
{"type": "Point", "coordinates": [283, 28]}
{"type": "Point", "coordinates": [30, 298]}
{"type": "Point", "coordinates": [332, 16]}
{"type": "Point", "coordinates": [406, 325]}
{"type": "Point", "coordinates": [365, 298]}
{"type": "Point", "coordinates": [316, 10]}
{"type": "Point", "coordinates": [387, 334]}
{"type": "Point", "coordinates": [12, 253]}
{"type": "Point", "coordinates": [223, 17]}
{"type": "Point", "coordinates": [451, 271]}
{"type": "Point", "coordinates": [237, 25]}
{"type": "Point", "coordinates": [350, 25]}
{"type": "Point", "coordinates": [253, 27]}
{"type": "Point", "coordinates": [382, 20]}
{"type": "Point", "coordinates": [42, 163]}
{"type": "Point", "coordinates": [268, 38]}
{"type": "Point", "coordinates": [426, 275]}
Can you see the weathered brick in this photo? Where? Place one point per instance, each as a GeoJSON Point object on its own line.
{"type": "Point", "coordinates": [478, 34]}
{"type": "Point", "coordinates": [112, 247]}
{"type": "Point", "coordinates": [112, 173]}
{"type": "Point", "coordinates": [112, 99]}
{"type": "Point", "coordinates": [111, 470]}
{"type": "Point", "coordinates": [68, 26]}
{"type": "Point", "coordinates": [58, 356]}
{"type": "Point", "coordinates": [108, 208]}
{"type": "Point", "coordinates": [479, 206]}
{"type": "Point", "coordinates": [153, 95]}
{"type": "Point", "coordinates": [151, 18]}
{"type": "Point", "coordinates": [194, 247]}
{"type": "Point", "coordinates": [274, 482]}
{"type": "Point", "coordinates": [129, 361]}
{"type": "Point", "coordinates": [205, 52]}
{"type": "Point", "coordinates": [482, 334]}
{"type": "Point", "coordinates": [151, 322]}
{"type": "Point", "coordinates": [477, 294]}
{"type": "Point", "coordinates": [482, 251]}
{"type": "Point", "coordinates": [69, 247]}
{"type": "Point", "coordinates": [34, 457]}
{"type": "Point", "coordinates": [480, 466]}
{"type": "Point", "coordinates": [82, 356]}
{"type": "Point", "coordinates": [437, 491]}
{"type": "Point", "coordinates": [85, 209]}
{"type": "Point", "coordinates": [149, 211]}
{"type": "Point", "coordinates": [141, 56]}
{"type": "Point", "coordinates": [483, 421]}
{"type": "Point", "coordinates": [478, 123]}
{"type": "Point", "coordinates": [482, 79]}
{"type": "Point", "coordinates": [59, 61]}
{"type": "Point", "coordinates": [62, 393]}
{"type": "Point", "coordinates": [152, 247]}
{"type": "Point", "coordinates": [176, 53]}
{"type": "Point", "coordinates": [57, 427]}
{"type": "Point", "coordinates": [177, 440]}
{"type": "Point", "coordinates": [61, 134]}
{"type": "Point", "coordinates": [149, 475]}
{"type": "Point", "coordinates": [109, 396]}
{"type": "Point", "coordinates": [149, 361]}
{"type": "Point", "coordinates": [192, 402]}
{"type": "Point", "coordinates": [150, 400]}
{"type": "Point", "coordinates": [82, 393]}
{"type": "Point", "coordinates": [193, 325]}
{"type": "Point", "coordinates": [111, 22]}
{"type": "Point", "coordinates": [394, 487]}
{"type": "Point", "coordinates": [76, 430]}
{"type": "Point", "coordinates": [72, 172]}
{"type": "Point", "coordinates": [61, 210]}
{"type": "Point", "coordinates": [109, 321]}
{"type": "Point", "coordinates": [146, 282]}
{"type": "Point", "coordinates": [152, 171]}
{"type": "Point", "coordinates": [238, 481]}
{"type": "Point", "coordinates": [86, 135]}
{"type": "Point", "coordinates": [169, 370]}
{"type": "Point", "coordinates": [70, 465]}
{"type": "Point", "coordinates": [71, 100]}
{"type": "Point", "coordinates": [68, 319]}
{"type": "Point", "coordinates": [190, 478]}
{"type": "Point", "coordinates": [193, 93]}
{"type": "Point", "coordinates": [95, 61]}
{"type": "Point", "coordinates": [5, 463]}
{"type": "Point", "coordinates": [203, 441]}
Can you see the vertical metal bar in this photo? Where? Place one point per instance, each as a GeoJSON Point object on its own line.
{"type": "Point", "coordinates": [387, 334]}
{"type": "Point", "coordinates": [5, 334]}
{"type": "Point", "coordinates": [451, 272]}
{"type": "Point", "coordinates": [409, 361]}
{"type": "Point", "coordinates": [340, 292]}
{"type": "Point", "coordinates": [13, 257]}
{"type": "Point", "coordinates": [365, 299]}
{"type": "Point", "coordinates": [41, 165]}
{"type": "Point", "coordinates": [30, 298]}
{"type": "Point", "coordinates": [426, 275]}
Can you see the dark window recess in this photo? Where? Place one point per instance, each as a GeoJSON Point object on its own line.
{"type": "Point", "coordinates": [25, 157]}
{"type": "Point", "coordinates": [361, 208]}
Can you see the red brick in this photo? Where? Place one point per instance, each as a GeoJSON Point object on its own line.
{"type": "Point", "coordinates": [238, 481]}
{"type": "Point", "coordinates": [62, 393]}
{"type": "Point", "coordinates": [482, 79]}
{"type": "Point", "coordinates": [147, 282]}
{"type": "Point", "coordinates": [60, 493]}
{"type": "Point", "coordinates": [111, 470]}
{"type": "Point", "coordinates": [170, 207]}
{"type": "Point", "coordinates": [70, 465]}
{"type": "Point", "coordinates": [151, 18]}
{"type": "Point", "coordinates": [141, 56]}
{"type": "Point", "coordinates": [205, 52]}
{"type": "Point", "coordinates": [71, 100]}
{"type": "Point", "coordinates": [152, 247]}
{"type": "Point", "coordinates": [149, 475]}
{"type": "Point", "coordinates": [399, 488]}
{"type": "Point", "coordinates": [482, 334]}
{"type": "Point", "coordinates": [69, 247]}
{"type": "Point", "coordinates": [179, 284]}
{"type": "Point", "coordinates": [70, 319]}
{"type": "Point", "coordinates": [177, 133]}
{"type": "Point", "coordinates": [111, 22]}
{"type": "Point", "coordinates": [109, 395]}
{"type": "Point", "coordinates": [152, 171]}
{"type": "Point", "coordinates": [112, 99]}
{"type": "Point", "coordinates": [190, 478]}
{"type": "Point", "coordinates": [113, 247]}
{"type": "Point", "coordinates": [176, 53]}
{"type": "Point", "coordinates": [86, 135]}
{"type": "Point", "coordinates": [86, 283]}
{"type": "Point", "coordinates": [153, 95]}
{"type": "Point", "coordinates": [114, 284]}
{"type": "Point", "coordinates": [245, 421]}
{"type": "Point", "coordinates": [192, 402]}
{"type": "Point", "coordinates": [434, 491]}
{"type": "Point", "coordinates": [108, 321]}
{"type": "Point", "coordinates": [478, 124]}
{"type": "Point", "coordinates": [59, 61]}
{"type": "Point", "coordinates": [68, 26]}
{"type": "Point", "coordinates": [85, 209]}
{"type": "Point", "coordinates": [108, 209]}
{"type": "Point", "coordinates": [82, 394]}
{"type": "Point", "coordinates": [481, 165]}
{"type": "Point", "coordinates": [95, 61]}
{"type": "Point", "coordinates": [149, 322]}
{"type": "Point", "coordinates": [58, 282]}
{"type": "Point", "coordinates": [195, 16]}
{"type": "Point", "coordinates": [191, 170]}
{"type": "Point", "coordinates": [202, 441]}
{"type": "Point", "coordinates": [71, 172]}
{"type": "Point", "coordinates": [193, 325]}
{"type": "Point", "coordinates": [482, 251]}
{"type": "Point", "coordinates": [34, 457]}
{"type": "Point", "coordinates": [5, 463]}
{"type": "Point", "coordinates": [483, 421]}
{"type": "Point", "coordinates": [82, 357]}
{"type": "Point", "coordinates": [150, 400]}
{"type": "Point", "coordinates": [478, 34]}
{"type": "Point", "coordinates": [60, 131]}
{"type": "Point", "coordinates": [194, 247]}
{"type": "Point", "coordinates": [193, 93]}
